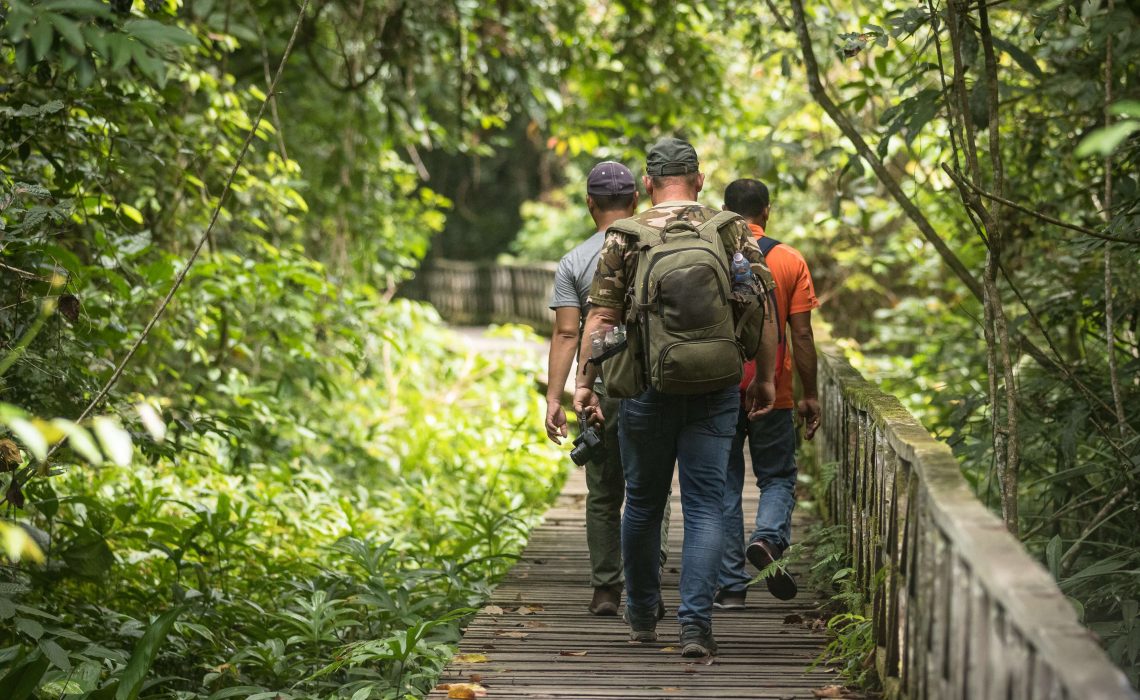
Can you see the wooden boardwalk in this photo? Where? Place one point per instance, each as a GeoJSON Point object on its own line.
{"type": "Point", "coordinates": [535, 638]}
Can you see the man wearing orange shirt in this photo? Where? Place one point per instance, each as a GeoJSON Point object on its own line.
{"type": "Point", "coordinates": [772, 437]}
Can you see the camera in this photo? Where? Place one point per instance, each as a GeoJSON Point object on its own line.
{"type": "Point", "coordinates": [588, 446]}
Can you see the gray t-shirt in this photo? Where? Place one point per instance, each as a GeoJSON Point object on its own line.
{"type": "Point", "coordinates": [575, 273]}
{"type": "Point", "coordinates": [573, 278]}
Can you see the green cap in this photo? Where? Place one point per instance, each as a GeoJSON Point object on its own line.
{"type": "Point", "coordinates": [671, 156]}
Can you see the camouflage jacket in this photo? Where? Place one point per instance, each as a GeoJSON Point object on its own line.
{"type": "Point", "coordinates": [618, 260]}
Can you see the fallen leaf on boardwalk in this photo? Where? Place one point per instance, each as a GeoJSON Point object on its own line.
{"type": "Point", "coordinates": [512, 635]}
{"type": "Point", "coordinates": [572, 653]}
{"type": "Point", "coordinates": [793, 619]}
{"type": "Point", "coordinates": [475, 678]}
{"type": "Point", "coordinates": [471, 658]}
{"type": "Point", "coordinates": [530, 609]}
{"type": "Point", "coordinates": [690, 669]}
{"type": "Point", "coordinates": [828, 691]}
{"type": "Point", "coordinates": [668, 648]}
{"type": "Point", "coordinates": [535, 624]}
{"type": "Point", "coordinates": [671, 690]}
{"type": "Point", "coordinates": [465, 691]}
{"type": "Point", "coordinates": [492, 610]}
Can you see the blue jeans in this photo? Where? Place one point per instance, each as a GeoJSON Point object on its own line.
{"type": "Point", "coordinates": [695, 432]}
{"type": "Point", "coordinates": [772, 444]}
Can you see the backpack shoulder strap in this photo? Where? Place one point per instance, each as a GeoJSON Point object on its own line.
{"type": "Point", "coordinates": [719, 221]}
{"type": "Point", "coordinates": [767, 244]}
{"type": "Point", "coordinates": [646, 236]}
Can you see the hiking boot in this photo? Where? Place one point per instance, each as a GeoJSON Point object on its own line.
{"type": "Point", "coordinates": [729, 600]}
{"type": "Point", "coordinates": [605, 601]}
{"type": "Point", "coordinates": [696, 641]}
{"type": "Point", "coordinates": [760, 554]}
{"type": "Point", "coordinates": [640, 633]}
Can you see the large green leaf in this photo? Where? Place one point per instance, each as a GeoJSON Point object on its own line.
{"type": "Point", "coordinates": [1104, 141]}
{"type": "Point", "coordinates": [157, 34]}
{"type": "Point", "coordinates": [142, 658]}
{"type": "Point", "coordinates": [89, 555]}
{"type": "Point", "coordinates": [21, 680]}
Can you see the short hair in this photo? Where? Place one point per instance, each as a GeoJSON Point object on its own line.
{"type": "Point", "coordinates": [746, 197]}
{"type": "Point", "coordinates": [689, 179]}
{"type": "Point", "coordinates": [613, 202]}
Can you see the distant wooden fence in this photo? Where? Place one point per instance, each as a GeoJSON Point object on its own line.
{"type": "Point", "coordinates": [477, 293]}
{"type": "Point", "coordinates": [960, 609]}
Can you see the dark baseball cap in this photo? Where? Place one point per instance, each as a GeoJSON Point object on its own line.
{"type": "Point", "coordinates": [671, 156]}
{"type": "Point", "coordinates": [609, 178]}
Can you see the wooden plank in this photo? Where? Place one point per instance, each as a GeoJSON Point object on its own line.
{"type": "Point", "coordinates": [558, 650]}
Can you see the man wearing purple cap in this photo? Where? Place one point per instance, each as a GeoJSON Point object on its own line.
{"type": "Point", "coordinates": [610, 195]}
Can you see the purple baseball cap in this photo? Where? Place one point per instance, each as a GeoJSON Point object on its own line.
{"type": "Point", "coordinates": [609, 178]}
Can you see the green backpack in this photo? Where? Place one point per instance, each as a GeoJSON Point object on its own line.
{"type": "Point", "coordinates": [686, 330]}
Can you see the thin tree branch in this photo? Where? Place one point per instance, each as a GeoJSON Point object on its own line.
{"type": "Point", "coordinates": [1109, 310]}
{"type": "Point", "coordinates": [966, 182]}
{"type": "Point", "coordinates": [24, 273]}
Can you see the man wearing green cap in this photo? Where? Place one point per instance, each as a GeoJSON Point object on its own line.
{"type": "Point", "coordinates": [658, 429]}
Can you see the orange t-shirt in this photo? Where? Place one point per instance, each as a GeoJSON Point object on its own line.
{"type": "Point", "coordinates": [795, 294]}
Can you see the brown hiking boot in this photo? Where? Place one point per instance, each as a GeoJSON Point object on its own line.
{"type": "Point", "coordinates": [761, 554]}
{"type": "Point", "coordinates": [605, 601]}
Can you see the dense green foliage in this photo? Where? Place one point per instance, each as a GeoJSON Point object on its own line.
{"type": "Point", "coordinates": [318, 480]}
{"type": "Point", "coordinates": [325, 482]}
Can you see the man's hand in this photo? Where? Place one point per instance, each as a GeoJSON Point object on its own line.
{"type": "Point", "coordinates": [587, 406]}
{"type": "Point", "coordinates": [759, 398]}
{"type": "Point", "coordinates": [810, 413]}
{"type": "Point", "coordinates": [556, 427]}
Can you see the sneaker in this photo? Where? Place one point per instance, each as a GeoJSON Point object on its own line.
{"type": "Point", "coordinates": [640, 634]}
{"type": "Point", "coordinates": [696, 641]}
{"type": "Point", "coordinates": [760, 554]}
{"type": "Point", "coordinates": [605, 601]}
{"type": "Point", "coordinates": [729, 600]}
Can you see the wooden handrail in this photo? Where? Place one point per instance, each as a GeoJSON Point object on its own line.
{"type": "Point", "coordinates": [478, 293]}
{"type": "Point", "coordinates": [960, 609]}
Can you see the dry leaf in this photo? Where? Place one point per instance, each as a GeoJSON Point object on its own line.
{"type": "Point", "coordinates": [465, 691]}
{"type": "Point", "coordinates": [535, 624]}
{"type": "Point", "coordinates": [471, 658]}
{"type": "Point", "coordinates": [671, 690]}
{"type": "Point", "coordinates": [669, 649]}
{"type": "Point", "coordinates": [475, 678]}
{"type": "Point", "coordinates": [571, 653]}
{"type": "Point", "coordinates": [512, 635]}
{"type": "Point", "coordinates": [828, 691]}
{"type": "Point", "coordinates": [492, 610]}
{"type": "Point", "coordinates": [793, 619]}
{"type": "Point", "coordinates": [529, 609]}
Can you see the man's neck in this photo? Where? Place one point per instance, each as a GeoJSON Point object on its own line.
{"type": "Point", "coordinates": [760, 221]}
{"type": "Point", "coordinates": [604, 219]}
{"type": "Point", "coordinates": [673, 194]}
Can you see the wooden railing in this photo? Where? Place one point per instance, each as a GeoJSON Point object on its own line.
{"type": "Point", "coordinates": [485, 292]}
{"type": "Point", "coordinates": [960, 609]}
